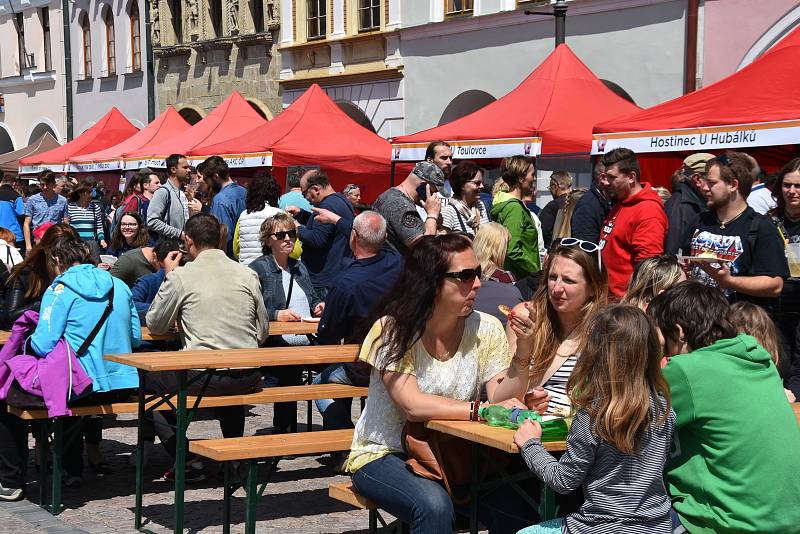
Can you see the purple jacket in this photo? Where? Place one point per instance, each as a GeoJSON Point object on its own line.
{"type": "Point", "coordinates": [49, 377]}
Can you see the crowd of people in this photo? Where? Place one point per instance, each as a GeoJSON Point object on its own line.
{"type": "Point", "coordinates": [666, 327]}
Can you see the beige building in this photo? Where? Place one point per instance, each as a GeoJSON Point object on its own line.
{"type": "Point", "coordinates": [206, 49]}
{"type": "Point", "coordinates": [352, 49]}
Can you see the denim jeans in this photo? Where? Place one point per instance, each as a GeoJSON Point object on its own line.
{"type": "Point", "coordinates": [336, 414]}
{"type": "Point", "coordinates": [425, 505]}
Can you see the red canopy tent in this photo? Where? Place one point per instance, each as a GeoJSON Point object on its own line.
{"type": "Point", "coordinates": [756, 109]}
{"type": "Point", "coordinates": [314, 131]}
{"type": "Point", "coordinates": [165, 127]}
{"type": "Point", "coordinates": [228, 120]}
{"type": "Point", "coordinates": [108, 131]}
{"type": "Point", "coordinates": [551, 112]}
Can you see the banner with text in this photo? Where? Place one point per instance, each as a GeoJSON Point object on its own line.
{"type": "Point", "coordinates": [700, 139]}
{"type": "Point", "coordinates": [39, 167]}
{"type": "Point", "coordinates": [474, 149]}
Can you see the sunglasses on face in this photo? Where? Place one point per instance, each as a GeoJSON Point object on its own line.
{"type": "Point", "coordinates": [282, 235]}
{"type": "Point", "coordinates": [465, 275]}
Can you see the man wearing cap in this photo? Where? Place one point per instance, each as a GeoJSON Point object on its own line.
{"type": "Point", "coordinates": [686, 201]}
{"type": "Point", "coordinates": [398, 205]}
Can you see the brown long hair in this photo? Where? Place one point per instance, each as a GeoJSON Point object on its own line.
{"type": "Point", "coordinates": [36, 261]}
{"type": "Point", "coordinates": [616, 375]}
{"type": "Point", "coordinates": [142, 235]}
{"type": "Point", "coordinates": [547, 331]}
{"type": "Point", "coordinates": [777, 187]}
{"type": "Point", "coordinates": [753, 320]}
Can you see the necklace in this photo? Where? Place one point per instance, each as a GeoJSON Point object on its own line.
{"type": "Point", "coordinates": [723, 224]}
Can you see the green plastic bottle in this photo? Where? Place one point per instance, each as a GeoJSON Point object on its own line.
{"type": "Point", "coordinates": [552, 429]}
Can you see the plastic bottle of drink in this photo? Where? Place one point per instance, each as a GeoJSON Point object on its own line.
{"type": "Point", "coordinates": [552, 429]}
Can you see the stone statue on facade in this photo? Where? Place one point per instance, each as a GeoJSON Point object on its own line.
{"type": "Point", "coordinates": [233, 16]}
{"type": "Point", "coordinates": [194, 14]}
{"type": "Point", "coordinates": [155, 23]}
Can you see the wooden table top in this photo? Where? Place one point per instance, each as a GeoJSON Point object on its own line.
{"type": "Point", "coordinates": [276, 328]}
{"type": "Point", "coordinates": [237, 358]}
{"type": "Point", "coordinates": [491, 436]}
{"type": "Point", "coordinates": [280, 328]}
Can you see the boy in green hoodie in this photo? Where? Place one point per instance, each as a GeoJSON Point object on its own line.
{"type": "Point", "coordinates": [735, 457]}
{"type": "Point", "coordinates": [522, 257]}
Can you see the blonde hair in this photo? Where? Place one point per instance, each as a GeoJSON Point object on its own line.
{"type": "Point", "coordinates": [563, 224]}
{"type": "Point", "coordinates": [753, 320]}
{"type": "Point", "coordinates": [280, 219]}
{"type": "Point", "coordinates": [652, 277]}
{"type": "Point", "coordinates": [616, 375]}
{"type": "Point", "coordinates": [547, 331]}
{"type": "Point", "coordinates": [663, 194]}
{"type": "Point", "coordinates": [490, 246]}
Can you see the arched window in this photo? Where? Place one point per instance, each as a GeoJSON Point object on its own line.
{"type": "Point", "coordinates": [86, 33]}
{"type": "Point", "coordinates": [111, 52]}
{"type": "Point", "coordinates": [136, 38]}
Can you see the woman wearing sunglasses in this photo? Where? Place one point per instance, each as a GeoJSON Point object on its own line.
{"type": "Point", "coordinates": [550, 329]}
{"type": "Point", "coordinates": [288, 296]}
{"type": "Point", "coordinates": [431, 355]}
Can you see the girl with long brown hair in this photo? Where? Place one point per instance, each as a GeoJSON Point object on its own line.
{"type": "Point", "coordinates": [553, 324]}
{"type": "Point", "coordinates": [620, 437]}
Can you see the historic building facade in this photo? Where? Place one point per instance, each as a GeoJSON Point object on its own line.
{"type": "Point", "coordinates": [205, 49]}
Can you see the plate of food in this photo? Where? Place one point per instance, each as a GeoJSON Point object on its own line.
{"type": "Point", "coordinates": [704, 257]}
{"type": "Point", "coordinates": [310, 319]}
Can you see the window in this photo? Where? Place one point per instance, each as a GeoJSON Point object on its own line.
{"type": "Point", "coordinates": [216, 16]}
{"type": "Point", "coordinates": [48, 62]}
{"type": "Point", "coordinates": [136, 38]}
{"type": "Point", "coordinates": [111, 52]}
{"type": "Point", "coordinates": [177, 16]}
{"type": "Point", "coordinates": [369, 15]}
{"type": "Point", "coordinates": [87, 47]}
{"type": "Point", "coordinates": [20, 23]}
{"type": "Point", "coordinates": [257, 7]}
{"type": "Point", "coordinates": [457, 7]}
{"type": "Point", "coordinates": [316, 11]}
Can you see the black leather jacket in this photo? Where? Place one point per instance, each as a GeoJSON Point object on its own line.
{"type": "Point", "coordinates": [15, 303]}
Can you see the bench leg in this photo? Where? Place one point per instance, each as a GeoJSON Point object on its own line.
{"type": "Point", "coordinates": [252, 497]}
{"type": "Point", "coordinates": [547, 503]}
{"type": "Point", "coordinates": [309, 413]}
{"type": "Point", "coordinates": [373, 521]}
{"type": "Point", "coordinates": [226, 503]}
{"type": "Point", "coordinates": [44, 446]}
{"type": "Point", "coordinates": [54, 506]}
{"type": "Point", "coordinates": [474, 489]}
{"type": "Point", "coordinates": [137, 509]}
{"type": "Point", "coordinates": [180, 452]}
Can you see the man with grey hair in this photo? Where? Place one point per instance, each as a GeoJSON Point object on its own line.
{"type": "Point", "coordinates": [374, 269]}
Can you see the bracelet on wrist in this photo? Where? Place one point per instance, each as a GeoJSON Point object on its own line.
{"type": "Point", "coordinates": [432, 217]}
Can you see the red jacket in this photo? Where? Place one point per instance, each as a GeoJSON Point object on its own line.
{"type": "Point", "coordinates": [633, 231]}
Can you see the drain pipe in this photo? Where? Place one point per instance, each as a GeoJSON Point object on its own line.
{"type": "Point", "coordinates": [66, 39]}
{"type": "Point", "coordinates": [690, 69]}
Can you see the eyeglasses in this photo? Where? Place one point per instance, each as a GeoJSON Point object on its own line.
{"type": "Point", "coordinates": [586, 246]}
{"type": "Point", "coordinates": [306, 191]}
{"type": "Point", "coordinates": [282, 235]}
{"type": "Point", "coordinates": [465, 275]}
{"type": "Point", "coordinates": [129, 225]}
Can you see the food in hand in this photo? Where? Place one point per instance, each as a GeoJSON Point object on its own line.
{"type": "Point", "coordinates": [708, 254]}
{"type": "Point", "coordinates": [505, 310]}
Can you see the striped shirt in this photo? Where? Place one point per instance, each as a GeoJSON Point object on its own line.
{"type": "Point", "coordinates": [88, 222]}
{"type": "Point", "coordinates": [623, 492]}
{"type": "Point", "coordinates": [556, 386]}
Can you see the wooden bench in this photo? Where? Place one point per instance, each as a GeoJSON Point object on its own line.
{"type": "Point", "coordinates": [345, 493]}
{"type": "Point", "coordinates": [263, 449]}
{"type": "Point", "coordinates": [266, 396]}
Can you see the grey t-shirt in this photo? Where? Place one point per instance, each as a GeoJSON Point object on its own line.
{"type": "Point", "coordinates": [403, 221]}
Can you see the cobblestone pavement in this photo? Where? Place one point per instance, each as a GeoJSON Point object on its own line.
{"type": "Point", "coordinates": [296, 500]}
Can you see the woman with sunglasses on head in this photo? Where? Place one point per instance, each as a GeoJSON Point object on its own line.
{"type": "Point", "coordinates": [288, 296]}
{"type": "Point", "coordinates": [465, 212]}
{"type": "Point", "coordinates": [551, 329]}
{"type": "Point", "coordinates": [431, 354]}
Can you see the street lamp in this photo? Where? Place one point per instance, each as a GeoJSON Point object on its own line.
{"type": "Point", "coordinates": [560, 14]}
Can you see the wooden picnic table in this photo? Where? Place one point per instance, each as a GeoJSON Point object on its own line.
{"type": "Point", "coordinates": [481, 434]}
{"type": "Point", "coordinates": [208, 361]}
{"type": "Point", "coordinates": [276, 328]}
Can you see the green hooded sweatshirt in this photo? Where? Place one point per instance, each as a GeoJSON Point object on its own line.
{"type": "Point", "coordinates": [735, 459]}
{"type": "Point", "coordinates": [522, 257]}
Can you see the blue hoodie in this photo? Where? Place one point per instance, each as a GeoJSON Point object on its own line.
{"type": "Point", "coordinates": [72, 306]}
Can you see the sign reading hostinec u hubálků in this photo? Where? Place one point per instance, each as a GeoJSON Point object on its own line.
{"type": "Point", "coordinates": [700, 139]}
{"type": "Point", "coordinates": [473, 149]}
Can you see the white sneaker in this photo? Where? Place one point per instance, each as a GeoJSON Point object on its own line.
{"type": "Point", "coordinates": [10, 494]}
